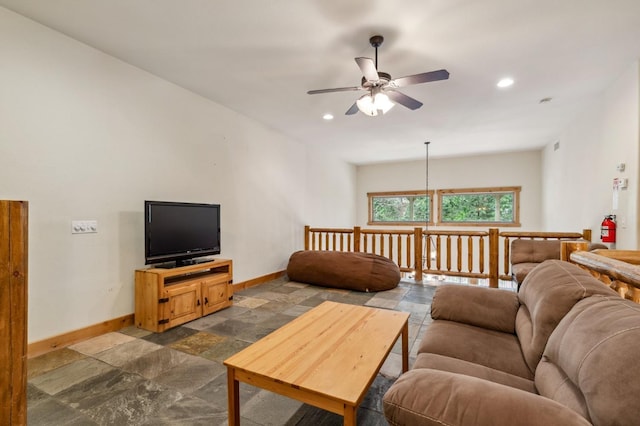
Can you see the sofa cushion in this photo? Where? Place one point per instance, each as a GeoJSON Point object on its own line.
{"type": "Point", "coordinates": [520, 270]}
{"type": "Point", "coordinates": [546, 295]}
{"type": "Point", "coordinates": [428, 397]}
{"type": "Point", "coordinates": [483, 307]}
{"type": "Point", "coordinates": [353, 271]}
{"type": "Point", "coordinates": [493, 349]}
{"type": "Point", "coordinates": [591, 360]}
{"type": "Point", "coordinates": [534, 251]}
{"type": "Point", "coordinates": [453, 365]}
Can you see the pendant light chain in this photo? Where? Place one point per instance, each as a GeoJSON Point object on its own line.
{"type": "Point", "coordinates": [427, 239]}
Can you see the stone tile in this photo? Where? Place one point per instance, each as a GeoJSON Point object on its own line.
{"type": "Point", "coordinates": [225, 349]}
{"type": "Point", "coordinates": [170, 336]}
{"type": "Point", "coordinates": [290, 298]}
{"type": "Point", "coordinates": [232, 311]}
{"type": "Point", "coordinates": [310, 415]}
{"type": "Point", "coordinates": [230, 327]}
{"type": "Point", "coordinates": [191, 375]}
{"type": "Point", "coordinates": [276, 321]}
{"type": "Point", "coordinates": [276, 306]}
{"type": "Point", "coordinates": [127, 352]}
{"type": "Point", "coordinates": [297, 310]}
{"type": "Point", "coordinates": [269, 408]}
{"type": "Point", "coordinates": [64, 377]}
{"type": "Point", "coordinates": [205, 322]}
{"type": "Point", "coordinates": [392, 366]}
{"type": "Point", "coordinates": [316, 300]}
{"type": "Point", "coordinates": [295, 284]}
{"type": "Point", "coordinates": [285, 289]}
{"type": "Point", "coordinates": [35, 395]}
{"type": "Point", "coordinates": [215, 392]}
{"type": "Point", "coordinates": [188, 411]}
{"type": "Point", "coordinates": [134, 406]}
{"type": "Point", "coordinates": [134, 331]}
{"type": "Point", "coordinates": [251, 302]}
{"type": "Point", "coordinates": [50, 361]}
{"type": "Point", "coordinates": [52, 412]}
{"type": "Point", "coordinates": [156, 362]}
{"type": "Point", "coordinates": [99, 389]}
{"type": "Point", "coordinates": [379, 302]}
{"type": "Point", "coordinates": [256, 315]}
{"type": "Point", "coordinates": [101, 343]}
{"type": "Point", "coordinates": [197, 343]}
{"type": "Point", "coordinates": [373, 398]}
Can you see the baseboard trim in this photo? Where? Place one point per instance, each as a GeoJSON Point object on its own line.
{"type": "Point", "coordinates": [66, 339]}
{"type": "Point", "coordinates": [257, 281]}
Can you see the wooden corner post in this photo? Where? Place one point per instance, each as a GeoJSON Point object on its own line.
{"type": "Point", "coordinates": [494, 249]}
{"type": "Point", "coordinates": [417, 253]}
{"type": "Point", "coordinates": [307, 231]}
{"type": "Point", "coordinates": [13, 312]}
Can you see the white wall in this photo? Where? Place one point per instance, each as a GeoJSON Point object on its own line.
{"type": "Point", "coordinates": [578, 177]}
{"type": "Point", "coordinates": [509, 169]}
{"type": "Point", "coordinates": [86, 136]}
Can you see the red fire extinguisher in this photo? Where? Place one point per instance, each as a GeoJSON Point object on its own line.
{"type": "Point", "coordinates": [608, 229]}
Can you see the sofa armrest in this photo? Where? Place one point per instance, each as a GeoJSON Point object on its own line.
{"type": "Point", "coordinates": [479, 306]}
{"type": "Point", "coordinates": [432, 397]}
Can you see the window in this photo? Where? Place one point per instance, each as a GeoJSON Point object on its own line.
{"type": "Point", "coordinates": [400, 208]}
{"type": "Point", "coordinates": [480, 206]}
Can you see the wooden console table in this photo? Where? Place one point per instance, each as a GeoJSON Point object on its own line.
{"type": "Point", "coordinates": [166, 298]}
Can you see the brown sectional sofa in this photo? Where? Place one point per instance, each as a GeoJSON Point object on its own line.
{"type": "Point", "coordinates": [561, 351]}
{"type": "Point", "coordinates": [526, 254]}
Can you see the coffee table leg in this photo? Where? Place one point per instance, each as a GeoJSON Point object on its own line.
{"type": "Point", "coordinates": [233, 389]}
{"type": "Point", "coordinates": [350, 415]}
{"type": "Point", "coordinates": [405, 347]}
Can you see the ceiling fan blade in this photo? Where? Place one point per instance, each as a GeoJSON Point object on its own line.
{"type": "Point", "coordinates": [352, 110]}
{"type": "Point", "coordinates": [337, 89]}
{"type": "Point", "coordinates": [425, 77]}
{"type": "Point", "coordinates": [403, 99]}
{"type": "Point", "coordinates": [368, 68]}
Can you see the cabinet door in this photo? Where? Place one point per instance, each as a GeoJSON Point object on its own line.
{"type": "Point", "coordinates": [216, 293]}
{"type": "Point", "coordinates": [184, 305]}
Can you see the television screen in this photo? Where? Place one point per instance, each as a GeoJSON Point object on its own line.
{"type": "Point", "coordinates": [180, 231]}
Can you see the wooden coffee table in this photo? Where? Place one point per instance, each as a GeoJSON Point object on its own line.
{"type": "Point", "coordinates": [327, 357]}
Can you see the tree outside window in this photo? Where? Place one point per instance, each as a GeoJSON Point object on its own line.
{"type": "Point", "coordinates": [400, 208]}
{"type": "Point", "coordinates": [479, 206]}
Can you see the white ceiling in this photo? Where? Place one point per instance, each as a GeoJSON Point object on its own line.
{"type": "Point", "coordinates": [260, 57]}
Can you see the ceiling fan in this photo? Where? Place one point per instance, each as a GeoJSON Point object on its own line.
{"type": "Point", "coordinates": [381, 88]}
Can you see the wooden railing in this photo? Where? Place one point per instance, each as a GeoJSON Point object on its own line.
{"type": "Point", "coordinates": [472, 254]}
{"type": "Point", "coordinates": [619, 269]}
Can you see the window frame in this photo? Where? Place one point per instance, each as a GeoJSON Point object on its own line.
{"type": "Point", "coordinates": [491, 191]}
{"type": "Point", "coordinates": [391, 194]}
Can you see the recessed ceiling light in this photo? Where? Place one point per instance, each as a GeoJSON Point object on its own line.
{"type": "Point", "coordinates": [505, 82]}
{"type": "Point", "coordinates": [327, 116]}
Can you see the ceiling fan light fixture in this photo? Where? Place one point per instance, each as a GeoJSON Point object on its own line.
{"type": "Point", "coordinates": [373, 105]}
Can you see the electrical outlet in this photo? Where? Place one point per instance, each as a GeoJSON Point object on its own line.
{"type": "Point", "coordinates": [84, 226]}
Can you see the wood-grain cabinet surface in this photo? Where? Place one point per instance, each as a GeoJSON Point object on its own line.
{"type": "Point", "coordinates": [166, 298]}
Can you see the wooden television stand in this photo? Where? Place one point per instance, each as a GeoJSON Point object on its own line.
{"type": "Point", "coordinates": [166, 298]}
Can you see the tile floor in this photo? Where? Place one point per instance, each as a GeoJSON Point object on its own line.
{"type": "Point", "coordinates": [134, 377]}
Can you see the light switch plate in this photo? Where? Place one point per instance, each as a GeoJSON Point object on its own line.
{"type": "Point", "coordinates": [84, 226]}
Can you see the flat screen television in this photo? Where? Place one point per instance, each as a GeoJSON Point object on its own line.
{"type": "Point", "coordinates": [180, 232]}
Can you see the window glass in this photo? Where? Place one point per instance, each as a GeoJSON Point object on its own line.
{"type": "Point", "coordinates": [408, 207]}
{"type": "Point", "coordinates": [479, 206]}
